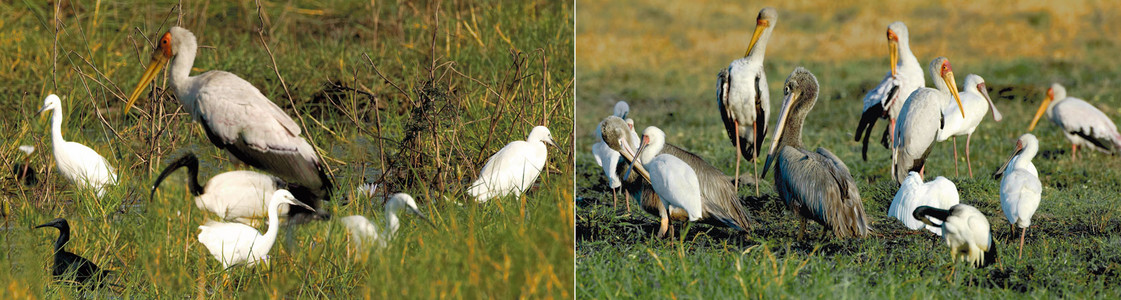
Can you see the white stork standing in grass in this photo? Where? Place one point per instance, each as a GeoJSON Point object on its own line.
{"type": "Point", "coordinates": [238, 118]}
{"type": "Point", "coordinates": [1083, 124]}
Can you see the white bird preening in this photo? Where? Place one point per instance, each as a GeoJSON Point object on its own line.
{"type": "Point", "coordinates": [79, 164]}
{"type": "Point", "coordinates": [1020, 190]}
{"type": "Point", "coordinates": [236, 243]}
{"type": "Point", "coordinates": [363, 232]}
{"type": "Point", "coordinates": [975, 103]}
{"type": "Point", "coordinates": [674, 180]}
{"type": "Point", "coordinates": [886, 100]}
{"type": "Point", "coordinates": [514, 168]}
{"type": "Point", "coordinates": [742, 95]}
{"type": "Point", "coordinates": [609, 159]}
{"type": "Point", "coordinates": [940, 193]}
{"type": "Point", "coordinates": [921, 119]}
{"type": "Point", "coordinates": [239, 119]}
{"type": "Point", "coordinates": [235, 196]}
{"type": "Point", "coordinates": [965, 230]}
{"type": "Point", "coordinates": [1083, 124]}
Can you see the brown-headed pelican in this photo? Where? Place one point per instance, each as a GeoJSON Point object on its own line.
{"type": "Point", "coordinates": [238, 118]}
{"type": "Point", "coordinates": [905, 77]}
{"type": "Point", "coordinates": [921, 118]}
{"type": "Point", "coordinates": [814, 185]}
{"type": "Point", "coordinates": [1082, 123]}
{"type": "Point", "coordinates": [966, 231]}
{"type": "Point", "coordinates": [939, 193]}
{"type": "Point", "coordinates": [609, 159]}
{"type": "Point", "coordinates": [742, 94]}
{"type": "Point", "coordinates": [721, 205]}
{"type": "Point", "coordinates": [976, 102]}
{"type": "Point", "coordinates": [80, 165]}
{"type": "Point", "coordinates": [1020, 190]}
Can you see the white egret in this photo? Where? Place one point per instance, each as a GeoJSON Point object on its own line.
{"type": "Point", "coordinates": [235, 196]}
{"type": "Point", "coordinates": [514, 168]}
{"type": "Point", "coordinates": [236, 243]}
{"type": "Point", "coordinates": [939, 193]}
{"type": "Point", "coordinates": [69, 267]}
{"type": "Point", "coordinates": [1083, 124]}
{"type": "Point", "coordinates": [674, 180]}
{"type": "Point", "coordinates": [1021, 190]}
{"type": "Point", "coordinates": [239, 119]}
{"type": "Point", "coordinates": [364, 233]}
{"type": "Point", "coordinates": [976, 102]}
{"type": "Point", "coordinates": [79, 164]}
{"type": "Point", "coordinates": [814, 185]}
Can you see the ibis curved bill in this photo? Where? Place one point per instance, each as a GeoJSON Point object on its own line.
{"type": "Point", "coordinates": [814, 185]}
{"type": "Point", "coordinates": [921, 119]}
{"type": "Point", "coordinates": [886, 100]}
{"type": "Point", "coordinates": [235, 196]}
{"type": "Point", "coordinates": [609, 159]}
{"type": "Point", "coordinates": [939, 193]}
{"type": "Point", "coordinates": [514, 168]}
{"type": "Point", "coordinates": [1083, 124]}
{"type": "Point", "coordinates": [80, 165]}
{"type": "Point", "coordinates": [965, 230]}
{"type": "Point", "coordinates": [363, 232]}
{"type": "Point", "coordinates": [674, 180]}
{"type": "Point", "coordinates": [236, 243]}
{"type": "Point", "coordinates": [70, 267]}
{"type": "Point", "coordinates": [975, 103]}
{"type": "Point", "coordinates": [239, 118]}
{"type": "Point", "coordinates": [1021, 190]}
{"type": "Point", "coordinates": [742, 94]}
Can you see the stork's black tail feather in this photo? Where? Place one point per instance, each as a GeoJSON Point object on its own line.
{"type": "Point", "coordinates": [864, 128]}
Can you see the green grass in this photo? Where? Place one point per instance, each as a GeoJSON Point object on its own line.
{"type": "Point", "coordinates": [1073, 247]}
{"type": "Point", "coordinates": [460, 81]}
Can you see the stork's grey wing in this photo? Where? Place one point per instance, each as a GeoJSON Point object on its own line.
{"type": "Point", "coordinates": [1080, 118]}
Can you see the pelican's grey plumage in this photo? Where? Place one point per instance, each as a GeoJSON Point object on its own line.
{"type": "Point", "coordinates": [609, 159]}
{"type": "Point", "coordinates": [905, 77]}
{"type": "Point", "coordinates": [237, 117]}
{"type": "Point", "coordinates": [976, 102]}
{"type": "Point", "coordinates": [721, 206]}
{"type": "Point", "coordinates": [814, 185]}
{"type": "Point", "coordinates": [921, 119]}
{"type": "Point", "coordinates": [1083, 124]}
{"type": "Point", "coordinates": [742, 94]}
{"type": "Point", "coordinates": [1021, 190]}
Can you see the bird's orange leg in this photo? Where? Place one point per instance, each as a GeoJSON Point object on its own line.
{"type": "Point", "coordinates": [956, 156]}
{"type": "Point", "coordinates": [739, 154]}
{"type": "Point", "coordinates": [968, 162]}
{"type": "Point", "coordinates": [1022, 234]}
{"type": "Point", "coordinates": [664, 214]}
{"type": "Point", "coordinates": [755, 162]}
{"type": "Point", "coordinates": [1073, 152]}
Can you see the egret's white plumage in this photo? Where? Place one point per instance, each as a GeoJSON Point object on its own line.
{"type": "Point", "coordinates": [938, 193]}
{"type": "Point", "coordinates": [79, 164]}
{"type": "Point", "coordinates": [965, 230]}
{"type": "Point", "coordinates": [1083, 124]}
{"type": "Point", "coordinates": [742, 94]}
{"type": "Point", "coordinates": [672, 178]}
{"type": "Point", "coordinates": [363, 232]}
{"type": "Point", "coordinates": [236, 243]}
{"type": "Point", "coordinates": [607, 158]}
{"type": "Point", "coordinates": [237, 117]}
{"type": "Point", "coordinates": [514, 168]}
{"type": "Point", "coordinates": [975, 103]}
{"type": "Point", "coordinates": [1021, 190]}
{"type": "Point", "coordinates": [887, 99]}
{"type": "Point", "coordinates": [920, 119]}
{"type": "Point", "coordinates": [235, 196]}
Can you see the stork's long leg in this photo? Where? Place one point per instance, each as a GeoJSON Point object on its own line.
{"type": "Point", "coordinates": [627, 199]}
{"type": "Point", "coordinates": [956, 171]}
{"type": "Point", "coordinates": [754, 162]}
{"type": "Point", "coordinates": [739, 153]}
{"type": "Point", "coordinates": [968, 162]}
{"type": "Point", "coordinates": [1073, 152]}
{"type": "Point", "coordinates": [614, 197]}
{"type": "Point", "coordinates": [1022, 234]}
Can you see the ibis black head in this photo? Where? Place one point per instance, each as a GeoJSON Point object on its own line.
{"type": "Point", "coordinates": [59, 223]}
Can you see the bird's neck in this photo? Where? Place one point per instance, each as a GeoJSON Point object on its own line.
{"type": "Point", "coordinates": [907, 59]}
{"type": "Point", "coordinates": [56, 128]}
{"type": "Point", "coordinates": [1025, 157]}
{"type": "Point", "coordinates": [791, 135]}
{"type": "Point", "coordinates": [760, 48]}
{"type": "Point", "coordinates": [392, 223]}
{"type": "Point", "coordinates": [274, 225]}
{"type": "Point", "coordinates": [195, 188]}
{"type": "Point", "coordinates": [653, 149]}
{"type": "Point", "coordinates": [63, 237]}
{"type": "Point", "coordinates": [181, 69]}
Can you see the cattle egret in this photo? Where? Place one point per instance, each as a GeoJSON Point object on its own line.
{"type": "Point", "coordinates": [514, 168]}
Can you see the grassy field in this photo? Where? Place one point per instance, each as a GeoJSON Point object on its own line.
{"type": "Point", "coordinates": [662, 57]}
{"type": "Point", "coordinates": [412, 97]}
